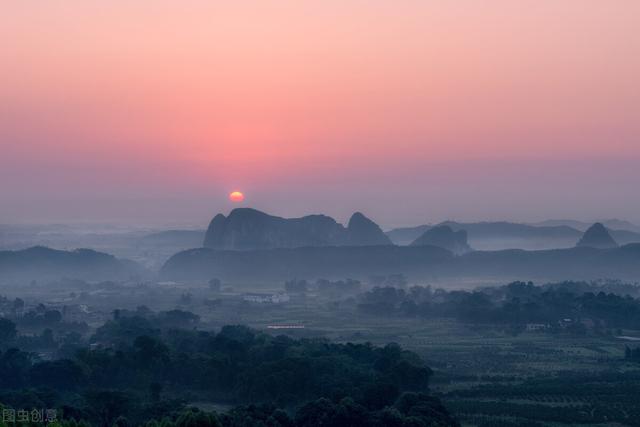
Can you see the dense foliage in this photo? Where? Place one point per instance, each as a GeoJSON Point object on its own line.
{"type": "Point", "coordinates": [516, 303]}
{"type": "Point", "coordinates": [632, 354]}
{"type": "Point", "coordinates": [410, 410]}
{"type": "Point", "coordinates": [142, 371]}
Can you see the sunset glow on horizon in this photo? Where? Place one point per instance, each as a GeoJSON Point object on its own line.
{"type": "Point", "coordinates": [505, 110]}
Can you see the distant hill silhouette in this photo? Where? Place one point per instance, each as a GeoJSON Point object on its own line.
{"type": "Point", "coordinates": [250, 229]}
{"type": "Point", "coordinates": [499, 235]}
{"type": "Point", "coordinates": [623, 232]}
{"type": "Point", "coordinates": [44, 263]}
{"type": "Point", "coordinates": [406, 235]}
{"type": "Point", "coordinates": [362, 231]}
{"type": "Point", "coordinates": [619, 224]}
{"type": "Point", "coordinates": [262, 266]}
{"type": "Point", "coordinates": [597, 236]}
{"type": "Point", "coordinates": [417, 262]}
{"type": "Point", "coordinates": [443, 236]}
{"type": "Point", "coordinates": [624, 237]}
{"type": "Point", "coordinates": [611, 224]}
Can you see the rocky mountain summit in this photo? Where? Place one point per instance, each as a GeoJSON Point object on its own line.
{"type": "Point", "coordinates": [361, 231]}
{"type": "Point", "coordinates": [251, 229]}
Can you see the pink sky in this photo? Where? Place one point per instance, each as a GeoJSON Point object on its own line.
{"type": "Point", "coordinates": [412, 111]}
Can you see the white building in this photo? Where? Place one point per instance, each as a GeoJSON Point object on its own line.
{"type": "Point", "coordinates": [537, 326]}
{"type": "Point", "coordinates": [266, 298]}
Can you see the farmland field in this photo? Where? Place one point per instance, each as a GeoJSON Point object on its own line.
{"type": "Point", "coordinates": [485, 374]}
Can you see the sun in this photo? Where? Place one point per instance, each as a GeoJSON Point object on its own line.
{"type": "Point", "coordinates": [236, 196]}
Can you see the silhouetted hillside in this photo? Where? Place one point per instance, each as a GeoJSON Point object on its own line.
{"type": "Point", "coordinates": [624, 237]}
{"type": "Point", "coordinates": [249, 229]}
{"type": "Point", "coordinates": [406, 235]}
{"type": "Point", "coordinates": [623, 232]}
{"type": "Point", "coordinates": [45, 263]}
{"type": "Point", "coordinates": [501, 229]}
{"type": "Point", "coordinates": [362, 231]}
{"type": "Point", "coordinates": [557, 264]}
{"type": "Point", "coordinates": [611, 224]}
{"type": "Point", "coordinates": [499, 235]}
{"type": "Point", "coordinates": [417, 262]}
{"type": "Point", "coordinates": [307, 262]}
{"type": "Point", "coordinates": [597, 236]}
{"type": "Point", "coordinates": [444, 237]}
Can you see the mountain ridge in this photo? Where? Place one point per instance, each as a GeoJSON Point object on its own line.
{"type": "Point", "coordinates": [443, 236]}
{"type": "Point", "coordinates": [251, 229]}
{"type": "Point", "coordinates": [417, 262]}
{"type": "Point", "coordinates": [40, 262]}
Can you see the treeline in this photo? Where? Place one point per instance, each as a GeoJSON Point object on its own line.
{"type": "Point", "coordinates": [140, 371]}
{"type": "Point", "coordinates": [516, 303]}
{"type": "Point", "coordinates": [241, 365]}
{"type": "Point", "coordinates": [410, 410]}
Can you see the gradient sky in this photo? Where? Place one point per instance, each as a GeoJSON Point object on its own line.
{"type": "Point", "coordinates": [152, 111]}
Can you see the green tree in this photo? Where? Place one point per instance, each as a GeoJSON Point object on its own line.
{"type": "Point", "coordinates": [8, 331]}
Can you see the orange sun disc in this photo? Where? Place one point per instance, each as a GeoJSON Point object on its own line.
{"type": "Point", "coordinates": [236, 196]}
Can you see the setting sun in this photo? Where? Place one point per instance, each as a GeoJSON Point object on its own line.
{"type": "Point", "coordinates": [236, 196]}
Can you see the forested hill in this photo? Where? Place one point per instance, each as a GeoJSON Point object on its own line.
{"type": "Point", "coordinates": [45, 263]}
{"type": "Point", "coordinates": [140, 371]}
{"type": "Point", "coordinates": [416, 262]}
